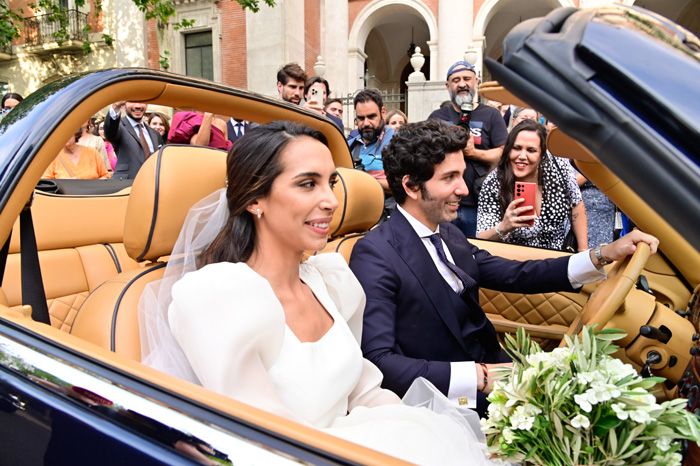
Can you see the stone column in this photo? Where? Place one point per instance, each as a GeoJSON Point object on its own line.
{"type": "Point", "coordinates": [455, 25]}
{"type": "Point", "coordinates": [356, 69]}
{"type": "Point", "coordinates": [434, 60]}
{"type": "Point", "coordinates": [334, 44]}
{"type": "Point", "coordinates": [274, 36]}
{"type": "Point", "coordinates": [477, 47]}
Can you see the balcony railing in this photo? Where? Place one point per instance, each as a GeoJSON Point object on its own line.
{"type": "Point", "coordinates": [45, 29]}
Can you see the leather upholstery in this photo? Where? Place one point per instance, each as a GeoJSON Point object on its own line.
{"type": "Point", "coordinates": [361, 202]}
{"type": "Point", "coordinates": [167, 185]}
{"type": "Point", "coordinates": [361, 210]}
{"type": "Point", "coordinates": [68, 276]}
{"type": "Point", "coordinates": [62, 221]}
{"type": "Point", "coordinates": [109, 315]}
{"type": "Point", "coordinates": [537, 309]}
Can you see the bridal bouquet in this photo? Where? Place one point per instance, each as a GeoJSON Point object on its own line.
{"type": "Point", "coordinates": [580, 406]}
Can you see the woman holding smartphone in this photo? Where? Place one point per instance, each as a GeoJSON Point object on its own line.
{"type": "Point", "coordinates": [532, 197]}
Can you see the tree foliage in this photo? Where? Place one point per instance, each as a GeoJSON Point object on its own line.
{"type": "Point", "coordinates": [163, 11]}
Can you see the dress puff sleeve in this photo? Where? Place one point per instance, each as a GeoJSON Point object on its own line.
{"type": "Point", "coordinates": [230, 325]}
{"type": "Point", "coordinates": [343, 288]}
{"type": "Point", "coordinates": [349, 298]}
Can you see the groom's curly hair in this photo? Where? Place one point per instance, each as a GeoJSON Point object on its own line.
{"type": "Point", "coordinates": [415, 150]}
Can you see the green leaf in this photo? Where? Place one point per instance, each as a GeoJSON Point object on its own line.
{"type": "Point", "coordinates": [612, 439]}
{"type": "Point", "coordinates": [605, 423]}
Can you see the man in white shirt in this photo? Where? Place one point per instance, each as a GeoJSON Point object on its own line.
{"type": "Point", "coordinates": [422, 277]}
{"type": "Point", "coordinates": [236, 129]}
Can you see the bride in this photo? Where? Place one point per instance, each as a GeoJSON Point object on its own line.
{"type": "Point", "coordinates": [240, 313]}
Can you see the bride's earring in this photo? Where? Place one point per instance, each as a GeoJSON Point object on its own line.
{"type": "Point", "coordinates": [258, 213]}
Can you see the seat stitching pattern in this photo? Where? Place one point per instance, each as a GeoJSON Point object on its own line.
{"type": "Point", "coordinates": [64, 309]}
{"type": "Point", "coordinates": [535, 309]}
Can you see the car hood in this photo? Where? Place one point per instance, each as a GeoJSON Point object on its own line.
{"type": "Point", "coordinates": [623, 82]}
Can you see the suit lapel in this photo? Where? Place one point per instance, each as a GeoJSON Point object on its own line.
{"type": "Point", "coordinates": [461, 253]}
{"type": "Point", "coordinates": [130, 129]}
{"type": "Point", "coordinates": [410, 248]}
{"type": "Point", "coordinates": [153, 134]}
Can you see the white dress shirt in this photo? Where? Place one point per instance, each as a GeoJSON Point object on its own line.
{"type": "Point", "coordinates": [238, 127]}
{"type": "Point", "coordinates": [463, 374]}
{"type": "Point", "coordinates": [135, 124]}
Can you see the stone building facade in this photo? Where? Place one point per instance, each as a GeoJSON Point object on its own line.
{"type": "Point", "coordinates": [360, 42]}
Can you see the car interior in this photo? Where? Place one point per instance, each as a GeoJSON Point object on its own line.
{"type": "Point", "coordinates": [97, 252]}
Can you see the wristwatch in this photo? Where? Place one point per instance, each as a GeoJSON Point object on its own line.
{"type": "Point", "coordinates": [598, 253]}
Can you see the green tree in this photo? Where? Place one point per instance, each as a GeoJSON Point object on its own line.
{"type": "Point", "coordinates": [163, 11]}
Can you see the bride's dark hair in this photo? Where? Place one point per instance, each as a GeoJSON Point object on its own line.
{"type": "Point", "coordinates": [251, 167]}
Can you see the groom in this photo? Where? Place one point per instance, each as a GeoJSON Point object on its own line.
{"type": "Point", "coordinates": [422, 278]}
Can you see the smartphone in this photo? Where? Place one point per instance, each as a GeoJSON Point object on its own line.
{"type": "Point", "coordinates": [527, 191]}
{"type": "Point", "coordinates": [317, 93]}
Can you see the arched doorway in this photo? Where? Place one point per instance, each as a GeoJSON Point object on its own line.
{"type": "Point", "coordinates": [496, 18]}
{"type": "Point", "coordinates": [379, 43]}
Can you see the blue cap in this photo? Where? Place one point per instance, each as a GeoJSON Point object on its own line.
{"type": "Point", "coordinates": [459, 66]}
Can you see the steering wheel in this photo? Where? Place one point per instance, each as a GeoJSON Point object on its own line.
{"type": "Point", "coordinates": [609, 295]}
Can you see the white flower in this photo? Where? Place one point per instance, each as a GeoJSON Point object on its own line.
{"type": "Point", "coordinates": [674, 459]}
{"type": "Point", "coordinates": [639, 397]}
{"type": "Point", "coordinates": [536, 358]}
{"type": "Point", "coordinates": [558, 356]}
{"type": "Point", "coordinates": [497, 411]}
{"type": "Point", "coordinates": [620, 412]}
{"type": "Point", "coordinates": [603, 392]}
{"type": "Point", "coordinates": [598, 393]}
{"type": "Point", "coordinates": [585, 377]}
{"type": "Point", "coordinates": [508, 435]}
{"type": "Point", "coordinates": [523, 417]}
{"type": "Point", "coordinates": [580, 421]}
{"type": "Point", "coordinates": [663, 443]}
{"type": "Point", "coordinates": [640, 415]}
{"type": "Point", "coordinates": [618, 369]}
{"type": "Point", "coordinates": [583, 403]}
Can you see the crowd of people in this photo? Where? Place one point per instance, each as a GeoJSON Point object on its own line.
{"type": "Point", "coordinates": [506, 144]}
{"type": "Point", "coordinates": [336, 345]}
{"type": "Point", "coordinates": [332, 345]}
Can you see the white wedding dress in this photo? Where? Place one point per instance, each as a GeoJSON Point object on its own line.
{"type": "Point", "coordinates": [231, 327]}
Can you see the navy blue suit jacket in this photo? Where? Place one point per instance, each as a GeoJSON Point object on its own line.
{"type": "Point", "coordinates": [414, 323]}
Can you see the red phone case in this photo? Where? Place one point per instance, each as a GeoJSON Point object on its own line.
{"type": "Point", "coordinates": [527, 191]}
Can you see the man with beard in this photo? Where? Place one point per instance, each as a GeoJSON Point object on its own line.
{"type": "Point", "coordinates": [421, 277]}
{"type": "Point", "coordinates": [488, 135]}
{"type": "Point", "coordinates": [290, 83]}
{"type": "Point", "coordinates": [372, 137]}
{"type": "Point", "coordinates": [133, 140]}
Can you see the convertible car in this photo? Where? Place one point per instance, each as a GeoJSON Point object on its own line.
{"type": "Point", "coordinates": [620, 83]}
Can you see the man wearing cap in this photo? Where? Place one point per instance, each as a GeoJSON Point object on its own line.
{"type": "Point", "coordinates": [488, 135]}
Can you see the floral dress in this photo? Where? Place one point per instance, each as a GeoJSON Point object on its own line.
{"type": "Point", "coordinates": [560, 193]}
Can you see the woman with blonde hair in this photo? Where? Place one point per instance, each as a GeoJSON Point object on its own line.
{"type": "Point", "coordinates": [396, 119]}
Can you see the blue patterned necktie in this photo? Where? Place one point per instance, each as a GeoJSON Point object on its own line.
{"type": "Point", "coordinates": [463, 276]}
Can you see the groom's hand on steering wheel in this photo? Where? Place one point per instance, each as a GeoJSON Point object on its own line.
{"type": "Point", "coordinates": [626, 246]}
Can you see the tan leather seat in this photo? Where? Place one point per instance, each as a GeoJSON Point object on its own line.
{"type": "Point", "coordinates": [361, 202]}
{"type": "Point", "coordinates": [79, 242]}
{"type": "Point", "coordinates": [167, 185]}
